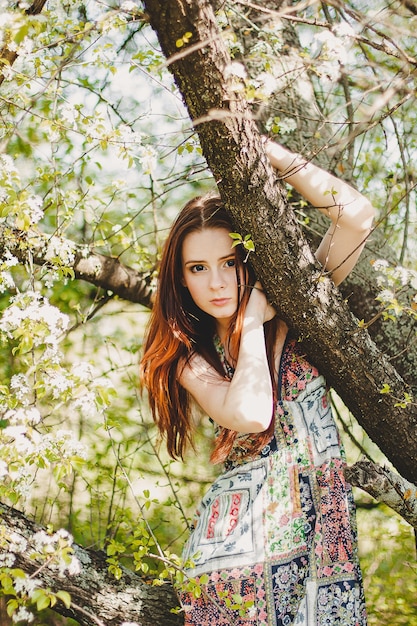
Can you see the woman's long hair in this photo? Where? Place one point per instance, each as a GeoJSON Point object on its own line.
{"type": "Point", "coordinates": [178, 329]}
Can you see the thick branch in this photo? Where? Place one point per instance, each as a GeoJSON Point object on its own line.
{"type": "Point", "coordinates": [97, 597]}
{"type": "Point", "coordinates": [100, 270]}
{"type": "Point", "coordinates": [283, 260]}
{"type": "Point", "coordinates": [387, 487]}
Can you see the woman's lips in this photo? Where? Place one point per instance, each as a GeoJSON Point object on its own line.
{"type": "Point", "coordinates": [220, 301]}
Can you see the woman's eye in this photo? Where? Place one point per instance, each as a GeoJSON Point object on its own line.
{"type": "Point", "coordinates": [230, 263]}
{"type": "Point", "coordinates": [197, 268]}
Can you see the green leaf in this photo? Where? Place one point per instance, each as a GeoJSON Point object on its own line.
{"type": "Point", "coordinates": [12, 606]}
{"type": "Point", "coordinates": [41, 598]}
{"type": "Point", "coordinates": [65, 598]}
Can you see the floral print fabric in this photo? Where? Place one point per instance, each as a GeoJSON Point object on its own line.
{"type": "Point", "coordinates": [275, 534]}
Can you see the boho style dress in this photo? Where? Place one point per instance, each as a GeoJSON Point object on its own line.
{"type": "Point", "coordinates": [276, 532]}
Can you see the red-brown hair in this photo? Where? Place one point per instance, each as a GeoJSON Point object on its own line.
{"type": "Point", "coordinates": [178, 329]}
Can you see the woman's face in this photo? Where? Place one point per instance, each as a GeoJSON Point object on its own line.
{"type": "Point", "coordinates": [209, 273]}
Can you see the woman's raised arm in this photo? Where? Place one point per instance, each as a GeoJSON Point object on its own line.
{"type": "Point", "coordinates": [350, 212]}
{"type": "Point", "coordinates": [244, 404]}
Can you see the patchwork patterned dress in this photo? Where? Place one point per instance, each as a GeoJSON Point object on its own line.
{"type": "Point", "coordinates": [275, 536]}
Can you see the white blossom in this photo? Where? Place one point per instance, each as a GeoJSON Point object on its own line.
{"type": "Point", "coordinates": [287, 125]}
{"type": "Point", "coordinates": [8, 168]}
{"type": "Point", "coordinates": [17, 543]}
{"type": "Point", "coordinates": [343, 29]}
{"type": "Point", "coordinates": [386, 295]}
{"type": "Point", "coordinates": [25, 585]}
{"type": "Point", "coordinates": [266, 83]}
{"type": "Point", "coordinates": [86, 404]}
{"type": "Point", "coordinates": [235, 69]}
{"type": "Point", "coordinates": [129, 6]}
{"type": "Point", "coordinates": [330, 47]}
{"type": "Point", "coordinates": [44, 542]}
{"type": "Point", "coordinates": [7, 559]}
{"type": "Point", "coordinates": [380, 264]}
{"type": "Point", "coordinates": [22, 615]}
{"type": "Point", "coordinates": [50, 545]}
{"type": "Point", "coordinates": [69, 445]}
{"type": "Point", "coordinates": [330, 53]}
{"type": "Point", "coordinates": [6, 282]}
{"type": "Point", "coordinates": [23, 480]}
{"type": "Point", "coordinates": [7, 72]}
{"type": "Point", "coordinates": [19, 386]}
{"type": "Point", "coordinates": [34, 209]}
{"type": "Point", "coordinates": [62, 249]}
{"type": "Point", "coordinates": [73, 567]}
{"type": "Point", "coordinates": [148, 159]}
{"type": "Point", "coordinates": [51, 278]}
{"type": "Point", "coordinates": [4, 471]}
{"type": "Point", "coordinates": [32, 307]}
{"type": "Point", "coordinates": [59, 382]}
{"type": "Point", "coordinates": [9, 260]}
{"type": "Point", "coordinates": [26, 46]}
{"type": "Point", "coordinates": [413, 279]}
{"type": "Point", "coordinates": [69, 114]}
{"type": "Point", "coordinates": [83, 371]}
{"type": "Point", "coordinates": [17, 434]}
{"type": "Point", "coordinates": [402, 275]}
{"type": "Point", "coordinates": [127, 135]}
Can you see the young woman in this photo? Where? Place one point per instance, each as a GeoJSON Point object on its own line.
{"type": "Point", "coordinates": [275, 534]}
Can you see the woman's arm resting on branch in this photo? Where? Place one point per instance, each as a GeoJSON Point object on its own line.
{"type": "Point", "coordinates": [350, 212]}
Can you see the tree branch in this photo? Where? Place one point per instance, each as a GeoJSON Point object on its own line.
{"type": "Point", "coordinates": [96, 597]}
{"type": "Point", "coordinates": [100, 270]}
{"type": "Point", "coordinates": [387, 487]}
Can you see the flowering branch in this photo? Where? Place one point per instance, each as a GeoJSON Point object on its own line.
{"type": "Point", "coordinates": [79, 578]}
{"type": "Point", "coordinates": [80, 261]}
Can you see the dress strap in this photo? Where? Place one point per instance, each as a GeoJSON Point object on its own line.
{"type": "Point", "coordinates": [281, 365]}
{"type": "Point", "coordinates": [295, 371]}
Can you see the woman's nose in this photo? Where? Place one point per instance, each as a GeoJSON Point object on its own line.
{"type": "Point", "coordinates": [216, 280]}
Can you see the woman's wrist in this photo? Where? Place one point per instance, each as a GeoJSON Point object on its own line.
{"type": "Point", "coordinates": [281, 158]}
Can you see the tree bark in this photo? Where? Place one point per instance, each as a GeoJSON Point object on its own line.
{"type": "Point", "coordinates": [314, 308]}
{"type": "Point", "coordinates": [97, 598]}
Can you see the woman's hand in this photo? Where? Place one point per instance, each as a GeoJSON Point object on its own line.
{"type": "Point", "coordinates": [258, 306]}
